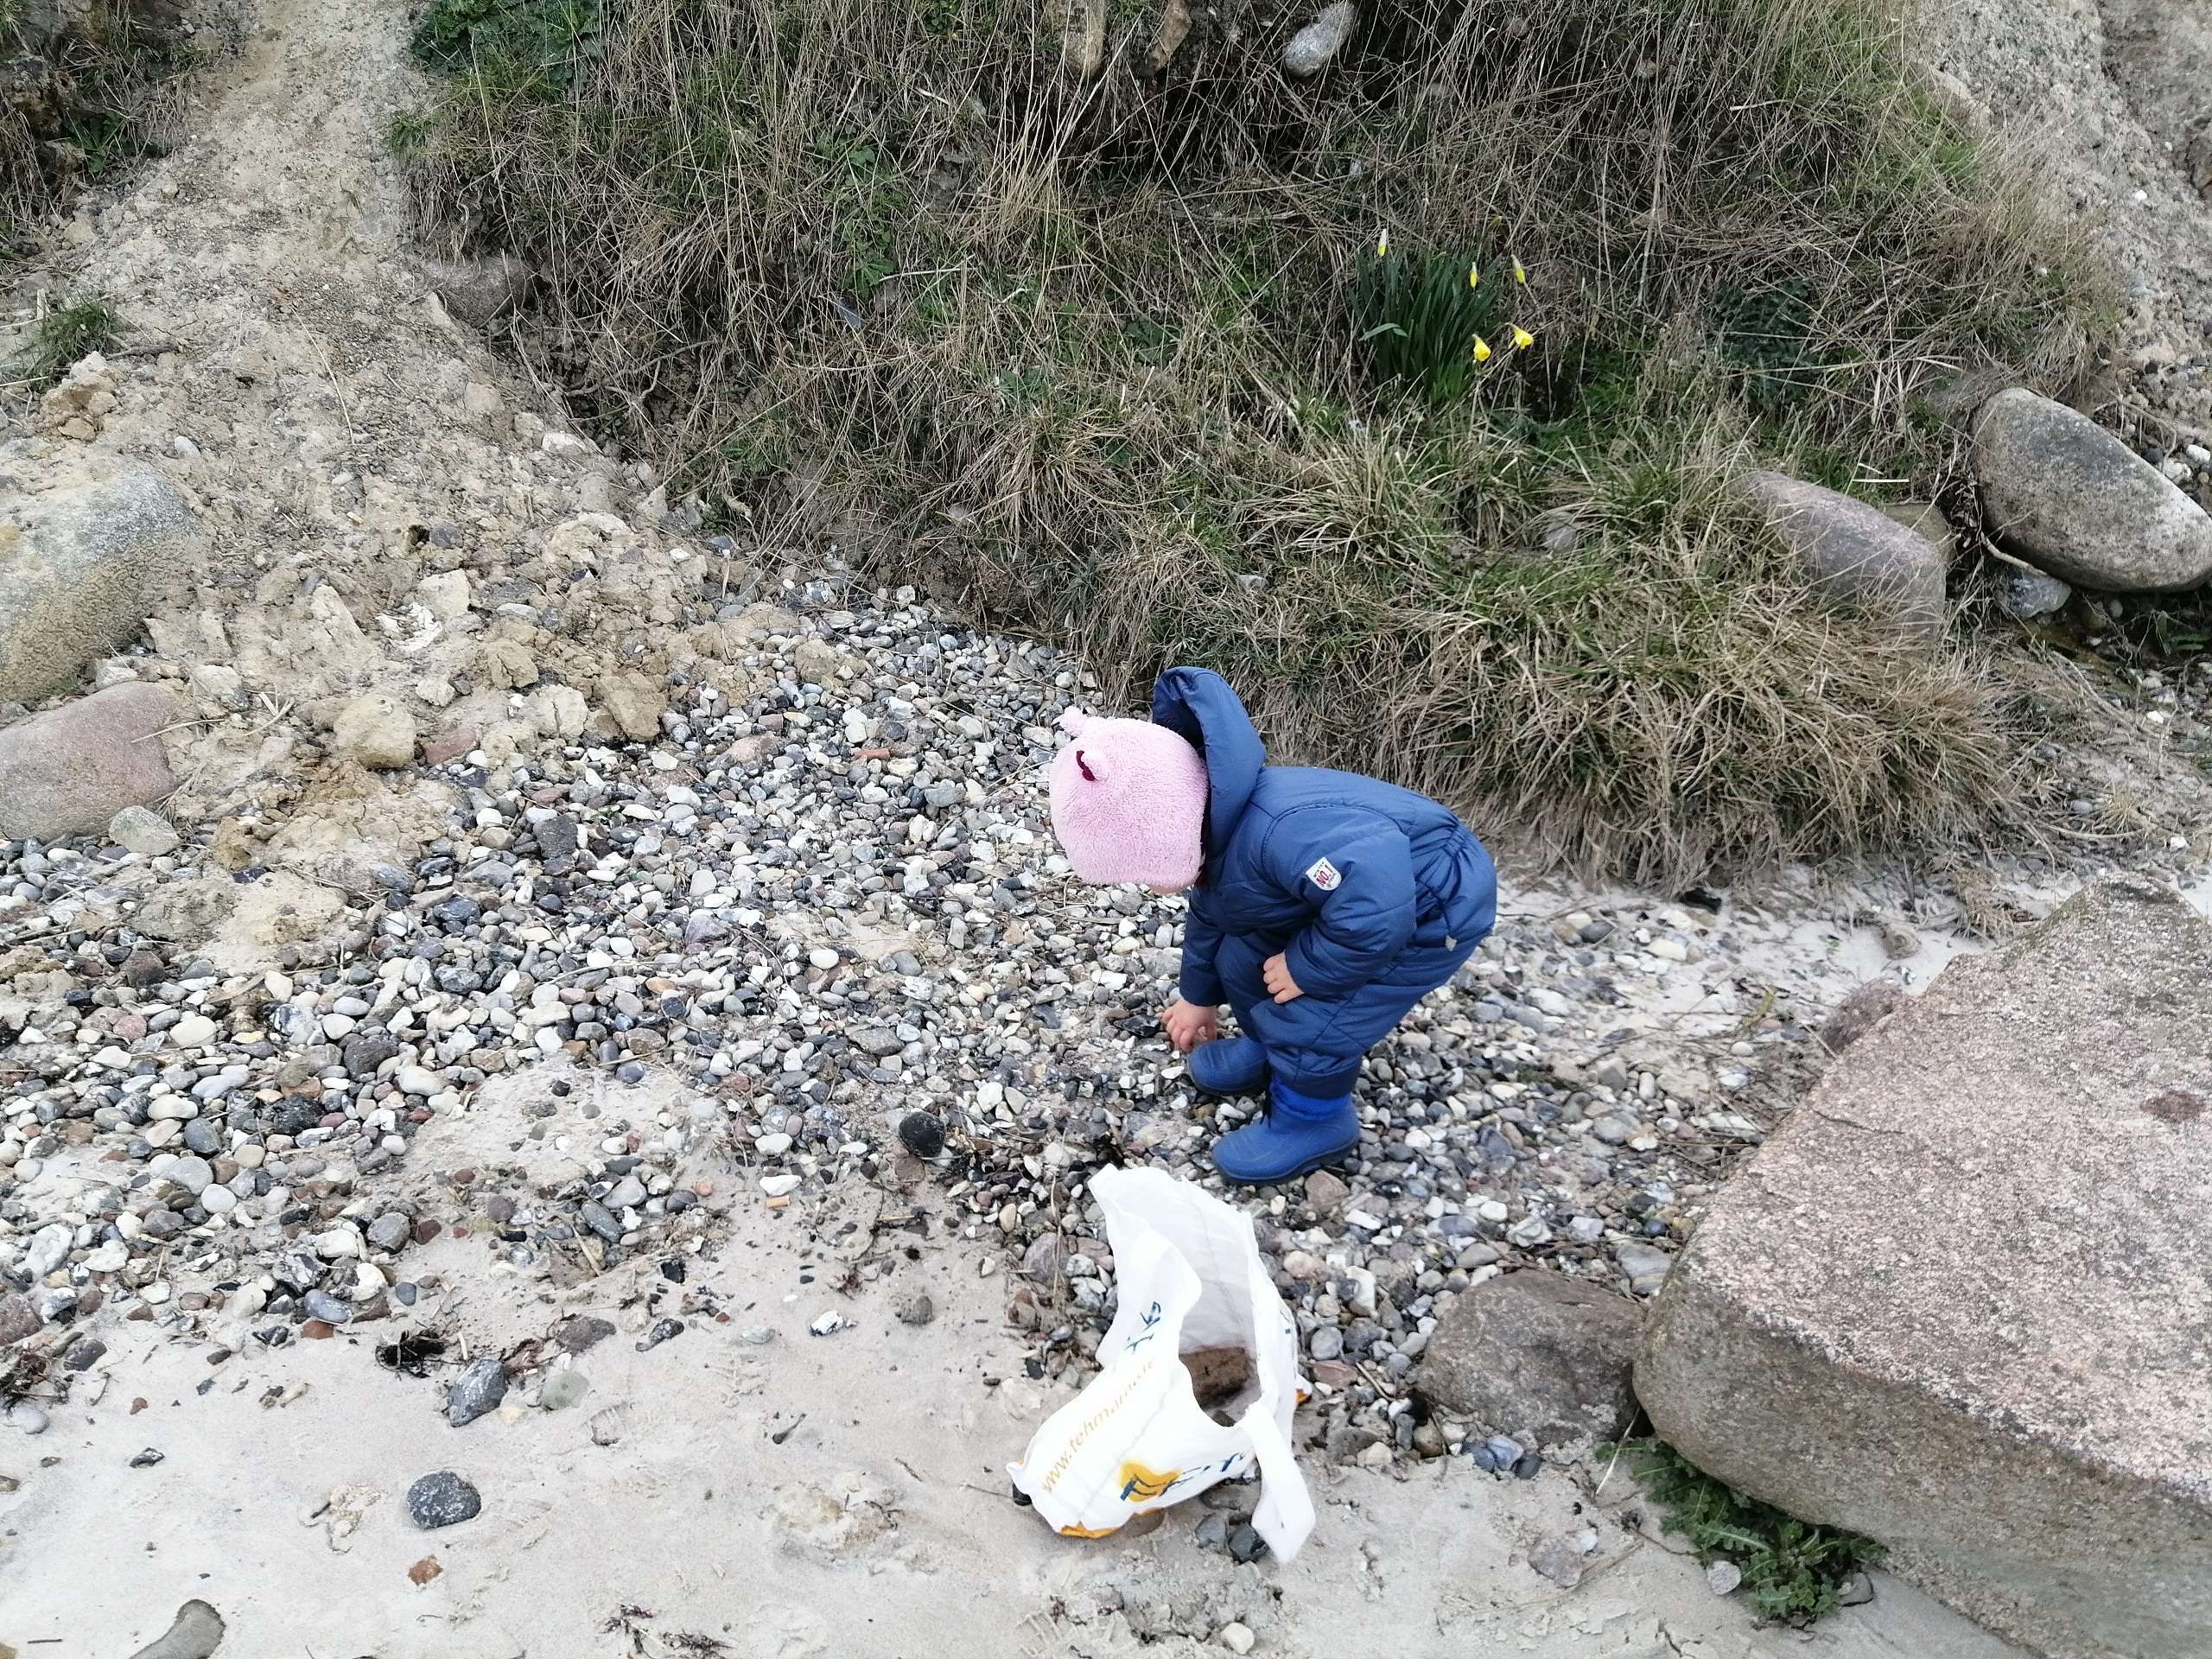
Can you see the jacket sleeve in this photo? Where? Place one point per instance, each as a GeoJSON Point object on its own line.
{"type": "Point", "coordinates": [1200, 981]}
{"type": "Point", "coordinates": [1356, 867]}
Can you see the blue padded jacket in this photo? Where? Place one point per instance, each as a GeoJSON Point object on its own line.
{"type": "Point", "coordinates": [1347, 875]}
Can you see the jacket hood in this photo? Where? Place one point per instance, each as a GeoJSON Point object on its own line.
{"type": "Point", "coordinates": [1197, 706]}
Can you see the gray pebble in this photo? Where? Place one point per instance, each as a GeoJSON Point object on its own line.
{"type": "Point", "coordinates": [479, 1389]}
{"type": "Point", "coordinates": [442, 1500]}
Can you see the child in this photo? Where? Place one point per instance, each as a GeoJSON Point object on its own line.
{"type": "Point", "coordinates": [1323, 906]}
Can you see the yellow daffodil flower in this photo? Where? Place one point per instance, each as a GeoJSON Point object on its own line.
{"type": "Point", "coordinates": [1383, 245]}
{"type": "Point", "coordinates": [1474, 274]}
{"type": "Point", "coordinates": [1482, 349]}
{"type": "Point", "coordinates": [1519, 274]}
{"type": "Point", "coordinates": [1523, 340]}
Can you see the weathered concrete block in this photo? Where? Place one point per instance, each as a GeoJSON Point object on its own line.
{"type": "Point", "coordinates": [1959, 1302]}
{"type": "Point", "coordinates": [76, 566]}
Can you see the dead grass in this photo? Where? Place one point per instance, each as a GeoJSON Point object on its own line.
{"type": "Point", "coordinates": [93, 89]}
{"type": "Point", "coordinates": [1089, 359]}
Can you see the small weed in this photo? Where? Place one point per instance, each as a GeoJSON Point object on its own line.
{"type": "Point", "coordinates": [1792, 1572]}
{"type": "Point", "coordinates": [69, 334]}
{"type": "Point", "coordinates": [527, 45]}
{"type": "Point", "coordinates": [408, 135]}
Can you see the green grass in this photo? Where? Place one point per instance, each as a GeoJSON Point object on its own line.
{"type": "Point", "coordinates": [1116, 362]}
{"type": "Point", "coordinates": [1423, 321]}
{"type": "Point", "coordinates": [70, 332]}
{"type": "Point", "coordinates": [523, 46]}
{"type": "Point", "coordinates": [1792, 1572]}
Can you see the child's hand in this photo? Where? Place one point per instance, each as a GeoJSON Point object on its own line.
{"type": "Point", "coordinates": [1188, 1025]}
{"type": "Point", "coordinates": [1281, 985]}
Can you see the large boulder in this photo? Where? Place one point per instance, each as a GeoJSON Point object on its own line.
{"type": "Point", "coordinates": [75, 565]}
{"type": "Point", "coordinates": [1857, 555]}
{"type": "Point", "coordinates": [1538, 1356]}
{"type": "Point", "coordinates": [69, 771]}
{"type": "Point", "coordinates": [1958, 1301]}
{"type": "Point", "coordinates": [2061, 493]}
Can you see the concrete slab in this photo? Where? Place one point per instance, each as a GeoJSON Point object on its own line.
{"type": "Point", "coordinates": [1963, 1302]}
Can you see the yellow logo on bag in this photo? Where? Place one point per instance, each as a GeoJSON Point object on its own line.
{"type": "Point", "coordinates": [1139, 1483]}
{"type": "Point", "coordinates": [1089, 1532]}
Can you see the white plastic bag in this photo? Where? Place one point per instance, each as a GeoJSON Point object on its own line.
{"type": "Point", "coordinates": [1190, 1278]}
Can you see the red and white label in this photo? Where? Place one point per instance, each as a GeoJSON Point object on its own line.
{"type": "Point", "coordinates": [1323, 875]}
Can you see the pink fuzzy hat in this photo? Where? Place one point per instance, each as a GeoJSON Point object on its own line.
{"type": "Point", "coordinates": [1129, 803]}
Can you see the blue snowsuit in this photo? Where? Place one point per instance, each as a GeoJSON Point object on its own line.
{"type": "Point", "coordinates": [1375, 895]}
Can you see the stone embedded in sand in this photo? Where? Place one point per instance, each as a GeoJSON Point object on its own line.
{"type": "Point", "coordinates": [69, 771]}
{"type": "Point", "coordinates": [478, 1391]}
{"type": "Point", "coordinates": [442, 1500]}
{"type": "Point", "coordinates": [581, 1332]}
{"type": "Point", "coordinates": [2064, 494]}
{"type": "Point", "coordinates": [1535, 1354]}
{"type": "Point", "coordinates": [477, 291]}
{"type": "Point", "coordinates": [445, 595]}
{"type": "Point", "coordinates": [375, 731]}
{"type": "Point", "coordinates": [1957, 1302]}
{"type": "Point", "coordinates": [634, 703]}
{"type": "Point", "coordinates": [148, 833]}
{"type": "Point", "coordinates": [1857, 555]}
{"type": "Point", "coordinates": [915, 1307]}
{"type": "Point", "coordinates": [185, 913]}
{"type": "Point", "coordinates": [76, 567]}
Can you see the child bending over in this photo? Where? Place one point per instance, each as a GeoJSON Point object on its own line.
{"type": "Point", "coordinates": [1323, 905]}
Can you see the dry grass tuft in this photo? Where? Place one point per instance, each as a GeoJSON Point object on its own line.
{"type": "Point", "coordinates": [1089, 358]}
{"type": "Point", "coordinates": [92, 87]}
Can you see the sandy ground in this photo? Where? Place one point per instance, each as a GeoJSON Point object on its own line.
{"type": "Point", "coordinates": [810, 1496]}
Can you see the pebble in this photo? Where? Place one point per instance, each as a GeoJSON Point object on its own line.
{"type": "Point", "coordinates": [27, 1418]}
{"type": "Point", "coordinates": [1723, 1577]}
{"type": "Point", "coordinates": [443, 1499]}
{"type": "Point", "coordinates": [194, 1031]}
{"type": "Point", "coordinates": [478, 1391]}
{"type": "Point", "coordinates": [887, 982]}
{"type": "Point", "coordinates": [141, 830]}
{"type": "Point", "coordinates": [922, 1134]}
{"type": "Point", "coordinates": [914, 1307]}
{"type": "Point", "coordinates": [1236, 1638]}
{"type": "Point", "coordinates": [390, 1231]}
{"type": "Point", "coordinates": [563, 1389]}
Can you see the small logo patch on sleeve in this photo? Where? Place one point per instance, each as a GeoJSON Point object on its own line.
{"type": "Point", "coordinates": [1323, 875]}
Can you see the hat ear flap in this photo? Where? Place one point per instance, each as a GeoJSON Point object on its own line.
{"type": "Point", "coordinates": [1074, 722]}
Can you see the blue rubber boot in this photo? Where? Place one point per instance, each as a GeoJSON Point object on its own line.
{"type": "Point", "coordinates": [1229, 1065]}
{"type": "Point", "coordinates": [1297, 1136]}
